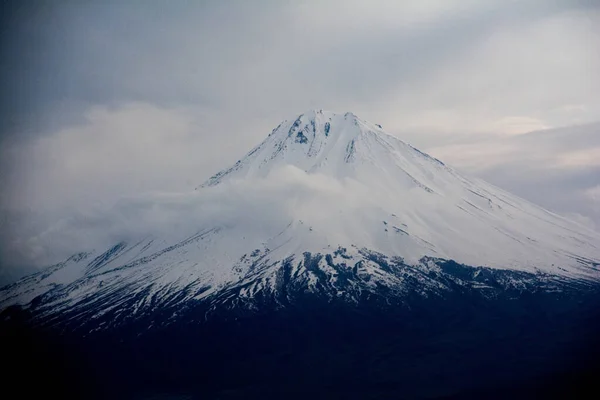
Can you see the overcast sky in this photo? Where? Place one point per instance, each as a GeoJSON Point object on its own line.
{"type": "Point", "coordinates": [105, 99]}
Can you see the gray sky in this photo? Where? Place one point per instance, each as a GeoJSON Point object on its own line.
{"type": "Point", "coordinates": [108, 99]}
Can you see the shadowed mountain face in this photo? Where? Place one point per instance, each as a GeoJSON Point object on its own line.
{"type": "Point", "coordinates": [461, 344]}
{"type": "Point", "coordinates": [392, 275]}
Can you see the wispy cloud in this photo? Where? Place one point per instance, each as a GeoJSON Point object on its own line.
{"type": "Point", "coordinates": [556, 168]}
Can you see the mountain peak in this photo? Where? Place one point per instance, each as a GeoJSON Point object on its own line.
{"type": "Point", "coordinates": [319, 120]}
{"type": "Point", "coordinates": [327, 123]}
{"type": "Point", "coordinates": [315, 141]}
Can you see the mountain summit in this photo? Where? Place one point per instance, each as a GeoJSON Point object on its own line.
{"type": "Point", "coordinates": [338, 145]}
{"type": "Point", "coordinates": [370, 216]}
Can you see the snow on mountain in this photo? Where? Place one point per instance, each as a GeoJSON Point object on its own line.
{"type": "Point", "coordinates": [418, 205]}
{"type": "Point", "coordinates": [375, 208]}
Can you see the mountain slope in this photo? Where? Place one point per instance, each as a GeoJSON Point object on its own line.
{"type": "Point", "coordinates": [435, 210]}
{"type": "Point", "coordinates": [382, 220]}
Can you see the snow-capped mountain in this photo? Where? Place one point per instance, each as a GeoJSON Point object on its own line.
{"type": "Point", "coordinates": [418, 206]}
{"type": "Point", "coordinates": [391, 222]}
{"type": "Point", "coordinates": [332, 261]}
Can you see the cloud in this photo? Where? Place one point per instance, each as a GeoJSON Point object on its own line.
{"type": "Point", "coordinates": [119, 151]}
{"type": "Point", "coordinates": [258, 207]}
{"type": "Point", "coordinates": [567, 147]}
{"type": "Point", "coordinates": [594, 193]}
{"type": "Point", "coordinates": [581, 158]}
{"type": "Point", "coordinates": [514, 125]}
{"type": "Point", "coordinates": [555, 168]}
{"type": "Point", "coordinates": [395, 62]}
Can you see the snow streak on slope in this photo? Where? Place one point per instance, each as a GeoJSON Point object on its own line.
{"type": "Point", "coordinates": [332, 182]}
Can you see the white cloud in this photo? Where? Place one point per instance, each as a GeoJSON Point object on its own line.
{"type": "Point", "coordinates": [475, 156]}
{"type": "Point", "coordinates": [515, 125]}
{"type": "Point", "coordinates": [593, 194]}
{"type": "Point", "coordinates": [513, 78]}
{"type": "Point", "coordinates": [120, 151]}
{"type": "Point", "coordinates": [255, 206]}
{"type": "Point", "coordinates": [580, 158]}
